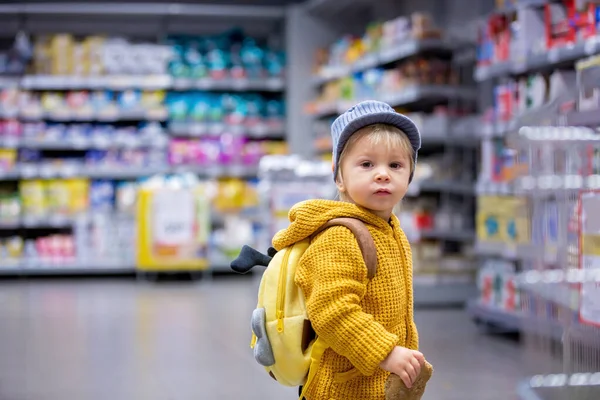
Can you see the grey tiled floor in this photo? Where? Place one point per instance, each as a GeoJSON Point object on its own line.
{"type": "Point", "coordinates": [125, 340]}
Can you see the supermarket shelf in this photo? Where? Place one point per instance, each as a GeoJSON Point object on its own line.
{"type": "Point", "coordinates": [382, 57]}
{"type": "Point", "coordinates": [502, 250]}
{"type": "Point", "coordinates": [539, 61]}
{"type": "Point", "coordinates": [443, 294]}
{"type": "Point", "coordinates": [259, 130]}
{"type": "Point", "coordinates": [409, 96]}
{"type": "Point", "coordinates": [448, 235]}
{"type": "Point", "coordinates": [148, 82]}
{"type": "Point", "coordinates": [35, 172]}
{"type": "Point", "coordinates": [118, 115]}
{"type": "Point", "coordinates": [508, 322]}
{"type": "Point", "coordinates": [232, 85]}
{"type": "Point", "coordinates": [83, 143]}
{"type": "Point", "coordinates": [146, 9]}
{"type": "Point", "coordinates": [9, 82]}
{"type": "Point", "coordinates": [441, 186]}
{"type": "Point", "coordinates": [526, 392]}
{"type": "Point", "coordinates": [589, 118]}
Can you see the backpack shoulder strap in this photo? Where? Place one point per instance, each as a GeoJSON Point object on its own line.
{"type": "Point", "coordinates": [363, 237]}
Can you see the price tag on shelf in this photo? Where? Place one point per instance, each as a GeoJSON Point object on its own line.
{"type": "Point", "coordinates": [29, 171]}
{"type": "Point", "coordinates": [553, 55]}
{"type": "Point", "coordinates": [274, 83]}
{"type": "Point", "coordinates": [591, 45]}
{"type": "Point", "coordinates": [173, 217]}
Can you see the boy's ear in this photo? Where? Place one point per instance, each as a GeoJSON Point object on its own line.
{"type": "Point", "coordinates": [339, 183]}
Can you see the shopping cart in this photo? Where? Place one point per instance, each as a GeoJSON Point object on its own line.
{"type": "Point", "coordinates": [560, 279]}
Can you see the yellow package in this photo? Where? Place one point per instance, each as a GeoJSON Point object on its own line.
{"type": "Point", "coordinates": [230, 194]}
{"type": "Point", "coordinates": [33, 198]}
{"type": "Point", "coordinates": [93, 46]}
{"type": "Point", "coordinates": [61, 54]}
{"type": "Point", "coordinates": [489, 219]}
{"type": "Point", "coordinates": [8, 158]}
{"type": "Point", "coordinates": [57, 194]}
{"type": "Point", "coordinates": [78, 195]}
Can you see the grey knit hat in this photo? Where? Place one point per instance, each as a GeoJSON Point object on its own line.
{"type": "Point", "coordinates": [368, 113]}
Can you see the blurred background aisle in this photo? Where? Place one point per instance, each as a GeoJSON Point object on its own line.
{"type": "Point", "coordinates": [143, 143]}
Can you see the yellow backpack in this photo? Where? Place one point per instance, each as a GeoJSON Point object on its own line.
{"type": "Point", "coordinates": [283, 340]}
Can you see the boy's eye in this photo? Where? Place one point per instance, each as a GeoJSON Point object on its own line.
{"type": "Point", "coordinates": [395, 165]}
{"type": "Point", "coordinates": [366, 164]}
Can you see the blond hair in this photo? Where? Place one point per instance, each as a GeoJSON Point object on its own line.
{"type": "Point", "coordinates": [380, 135]}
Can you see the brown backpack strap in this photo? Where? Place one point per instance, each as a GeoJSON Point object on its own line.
{"type": "Point", "coordinates": [363, 237]}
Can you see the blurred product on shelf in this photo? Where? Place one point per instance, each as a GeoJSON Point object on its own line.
{"type": "Point", "coordinates": [100, 213]}
{"type": "Point", "coordinates": [225, 150]}
{"type": "Point", "coordinates": [588, 73]}
{"type": "Point", "coordinates": [82, 105]}
{"type": "Point", "coordinates": [502, 221]}
{"type": "Point", "coordinates": [236, 202]}
{"type": "Point", "coordinates": [498, 286]}
{"type": "Point", "coordinates": [530, 31]}
{"type": "Point", "coordinates": [49, 135]}
{"type": "Point", "coordinates": [349, 50]}
{"type": "Point", "coordinates": [379, 83]}
{"type": "Point", "coordinates": [230, 55]}
{"type": "Point", "coordinates": [198, 113]}
{"type": "Point", "coordinates": [14, 61]}
{"type": "Point", "coordinates": [285, 180]}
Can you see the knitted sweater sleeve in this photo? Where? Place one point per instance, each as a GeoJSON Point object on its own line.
{"type": "Point", "coordinates": [333, 276]}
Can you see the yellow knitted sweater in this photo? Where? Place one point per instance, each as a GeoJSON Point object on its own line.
{"type": "Point", "coordinates": [360, 320]}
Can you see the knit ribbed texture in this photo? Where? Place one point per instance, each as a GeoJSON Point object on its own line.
{"type": "Point", "coordinates": [367, 113]}
{"type": "Point", "coordinates": [360, 320]}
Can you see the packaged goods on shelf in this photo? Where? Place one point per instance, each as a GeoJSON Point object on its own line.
{"type": "Point", "coordinates": [229, 55]}
{"type": "Point", "coordinates": [498, 286]}
{"type": "Point", "coordinates": [199, 113]}
{"type": "Point", "coordinates": [14, 60]}
{"type": "Point", "coordinates": [225, 150]}
{"type": "Point", "coordinates": [588, 71]}
{"type": "Point", "coordinates": [285, 181]}
{"type": "Point", "coordinates": [554, 25]}
{"type": "Point", "coordinates": [377, 83]}
{"type": "Point", "coordinates": [378, 37]}
{"type": "Point", "coordinates": [88, 105]}
{"type": "Point", "coordinates": [503, 220]}
{"type": "Point", "coordinates": [236, 205]}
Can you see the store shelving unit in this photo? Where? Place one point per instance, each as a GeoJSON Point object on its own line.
{"type": "Point", "coordinates": [142, 21]}
{"type": "Point", "coordinates": [554, 112]}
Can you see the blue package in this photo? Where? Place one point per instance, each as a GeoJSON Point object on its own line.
{"type": "Point", "coordinates": [252, 58]}
{"type": "Point", "coordinates": [194, 59]}
{"type": "Point", "coordinates": [129, 99]}
{"type": "Point", "coordinates": [102, 195]}
{"type": "Point", "coordinates": [274, 63]}
{"type": "Point", "coordinates": [178, 106]}
{"type": "Point", "coordinates": [177, 66]}
{"type": "Point", "coordinates": [200, 107]}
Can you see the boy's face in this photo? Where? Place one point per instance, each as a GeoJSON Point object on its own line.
{"type": "Point", "coordinates": [374, 177]}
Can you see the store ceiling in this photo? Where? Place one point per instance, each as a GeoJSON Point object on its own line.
{"type": "Point", "coordinates": [219, 2]}
{"type": "Point", "coordinates": [254, 21]}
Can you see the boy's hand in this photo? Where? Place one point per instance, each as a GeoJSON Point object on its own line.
{"type": "Point", "coordinates": [405, 363]}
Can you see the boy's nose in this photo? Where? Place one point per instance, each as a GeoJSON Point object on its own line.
{"type": "Point", "coordinates": [382, 176]}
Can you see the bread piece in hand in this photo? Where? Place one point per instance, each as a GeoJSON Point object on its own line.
{"type": "Point", "coordinates": [395, 389]}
